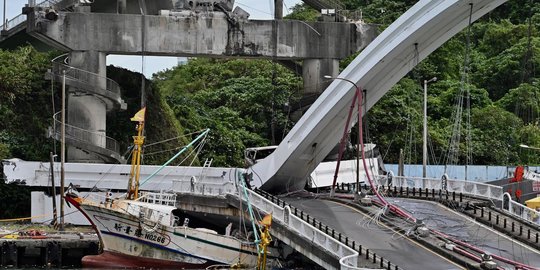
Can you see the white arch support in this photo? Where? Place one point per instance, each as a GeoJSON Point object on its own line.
{"type": "Point", "coordinates": [419, 31]}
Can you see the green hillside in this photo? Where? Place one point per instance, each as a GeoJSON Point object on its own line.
{"type": "Point", "coordinates": [250, 103]}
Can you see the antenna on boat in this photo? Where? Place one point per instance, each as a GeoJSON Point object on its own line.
{"type": "Point", "coordinates": [133, 184]}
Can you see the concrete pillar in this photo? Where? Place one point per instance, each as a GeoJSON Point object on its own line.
{"type": "Point", "coordinates": [278, 9]}
{"type": "Point", "coordinates": [87, 113]}
{"type": "Point", "coordinates": [121, 6]}
{"type": "Point", "coordinates": [313, 72]}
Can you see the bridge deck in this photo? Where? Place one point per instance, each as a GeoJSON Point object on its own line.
{"type": "Point", "coordinates": [441, 218]}
{"type": "Point", "coordinates": [379, 238]}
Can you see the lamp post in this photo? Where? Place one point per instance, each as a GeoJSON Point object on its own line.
{"type": "Point", "coordinates": [62, 151]}
{"type": "Point", "coordinates": [528, 147]}
{"type": "Point", "coordinates": [4, 22]}
{"type": "Point", "coordinates": [357, 96]}
{"type": "Point", "coordinates": [424, 143]}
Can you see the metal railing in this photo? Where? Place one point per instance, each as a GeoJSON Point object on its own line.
{"type": "Point", "coordinates": [351, 15]}
{"type": "Point", "coordinates": [208, 188]}
{"type": "Point", "coordinates": [84, 76]}
{"type": "Point", "coordinates": [329, 4]}
{"type": "Point", "coordinates": [155, 215]}
{"type": "Point", "coordinates": [161, 198]}
{"type": "Point", "coordinates": [21, 18]}
{"type": "Point", "coordinates": [520, 211]}
{"type": "Point", "coordinates": [471, 188]}
{"type": "Point", "coordinates": [296, 220]}
{"type": "Point", "coordinates": [98, 139]}
{"type": "Point", "coordinates": [348, 256]}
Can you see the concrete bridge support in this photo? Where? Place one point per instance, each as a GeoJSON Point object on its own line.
{"type": "Point", "coordinates": [313, 72]}
{"type": "Point", "coordinates": [87, 111]}
{"type": "Point", "coordinates": [103, 27]}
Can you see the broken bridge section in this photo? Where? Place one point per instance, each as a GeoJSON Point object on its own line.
{"type": "Point", "coordinates": [410, 39]}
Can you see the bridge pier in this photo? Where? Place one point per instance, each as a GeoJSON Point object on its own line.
{"type": "Point", "coordinates": [87, 111]}
{"type": "Point", "coordinates": [313, 72]}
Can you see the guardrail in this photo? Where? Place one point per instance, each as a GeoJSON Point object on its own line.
{"type": "Point", "coordinates": [21, 18]}
{"type": "Point", "coordinates": [295, 219]}
{"type": "Point", "coordinates": [475, 189]}
{"type": "Point", "coordinates": [91, 137]}
{"type": "Point", "coordinates": [284, 214]}
{"type": "Point", "coordinates": [519, 210]}
{"type": "Point", "coordinates": [211, 188]}
{"type": "Point", "coordinates": [149, 213]}
{"type": "Point", "coordinates": [84, 76]}
{"type": "Point", "coordinates": [321, 4]}
{"type": "Point", "coordinates": [161, 198]}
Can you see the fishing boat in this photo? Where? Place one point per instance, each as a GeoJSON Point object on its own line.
{"type": "Point", "coordinates": [141, 229]}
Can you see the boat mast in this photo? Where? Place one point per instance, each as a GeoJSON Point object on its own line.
{"type": "Point", "coordinates": [133, 184]}
{"type": "Point", "coordinates": [425, 131]}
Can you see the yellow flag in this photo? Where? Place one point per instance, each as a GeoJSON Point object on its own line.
{"type": "Point", "coordinates": [139, 116]}
{"type": "Point", "coordinates": [267, 220]}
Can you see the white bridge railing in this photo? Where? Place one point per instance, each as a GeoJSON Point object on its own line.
{"type": "Point", "coordinates": [348, 256]}
{"type": "Point", "coordinates": [519, 210]}
{"type": "Point", "coordinates": [475, 189]}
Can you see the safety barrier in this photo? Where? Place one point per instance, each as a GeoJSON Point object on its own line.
{"type": "Point", "coordinates": [21, 18]}
{"type": "Point", "coordinates": [134, 208]}
{"type": "Point", "coordinates": [82, 135]}
{"type": "Point", "coordinates": [529, 233]}
{"type": "Point", "coordinates": [295, 219]}
{"type": "Point", "coordinates": [520, 211]}
{"type": "Point", "coordinates": [84, 76]}
{"type": "Point", "coordinates": [475, 189]}
{"type": "Point", "coordinates": [207, 187]}
{"type": "Point", "coordinates": [110, 90]}
{"type": "Point", "coordinates": [162, 198]}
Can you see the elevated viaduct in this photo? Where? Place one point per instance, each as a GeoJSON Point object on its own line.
{"type": "Point", "coordinates": [89, 32]}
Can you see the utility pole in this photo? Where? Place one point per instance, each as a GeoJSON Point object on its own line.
{"type": "Point", "coordinates": [4, 21]}
{"type": "Point", "coordinates": [63, 151]}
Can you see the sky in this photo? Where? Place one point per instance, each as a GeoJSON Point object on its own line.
{"type": "Point", "coordinates": [259, 9]}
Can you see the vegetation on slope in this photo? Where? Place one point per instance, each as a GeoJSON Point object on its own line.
{"type": "Point", "coordinates": [248, 102]}
{"type": "Point", "coordinates": [504, 51]}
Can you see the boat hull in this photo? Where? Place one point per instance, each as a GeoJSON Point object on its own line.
{"type": "Point", "coordinates": [129, 242]}
{"type": "Point", "coordinates": [111, 260]}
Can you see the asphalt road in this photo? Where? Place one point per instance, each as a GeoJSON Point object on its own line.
{"type": "Point", "coordinates": [378, 238]}
{"type": "Point", "coordinates": [465, 229]}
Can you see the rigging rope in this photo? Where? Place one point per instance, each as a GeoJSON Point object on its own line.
{"type": "Point", "coordinates": [453, 146]}
{"type": "Point", "coordinates": [174, 138]}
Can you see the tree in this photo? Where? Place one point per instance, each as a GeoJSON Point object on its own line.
{"type": "Point", "coordinates": [243, 102]}
{"type": "Point", "coordinates": [494, 138]}
{"type": "Point", "coordinates": [523, 101]}
{"type": "Point", "coordinates": [25, 104]}
{"type": "Point", "coordinates": [303, 12]}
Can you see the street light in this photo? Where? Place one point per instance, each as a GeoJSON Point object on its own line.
{"type": "Point", "coordinates": [528, 147]}
{"type": "Point", "coordinates": [424, 144]}
{"type": "Point", "coordinates": [357, 97]}
{"type": "Point", "coordinates": [4, 22]}
{"type": "Point", "coordinates": [62, 151]}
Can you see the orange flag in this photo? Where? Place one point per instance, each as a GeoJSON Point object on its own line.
{"type": "Point", "coordinates": [267, 220]}
{"type": "Point", "coordinates": [139, 116]}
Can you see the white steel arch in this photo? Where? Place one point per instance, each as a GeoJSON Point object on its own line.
{"type": "Point", "coordinates": [419, 31]}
